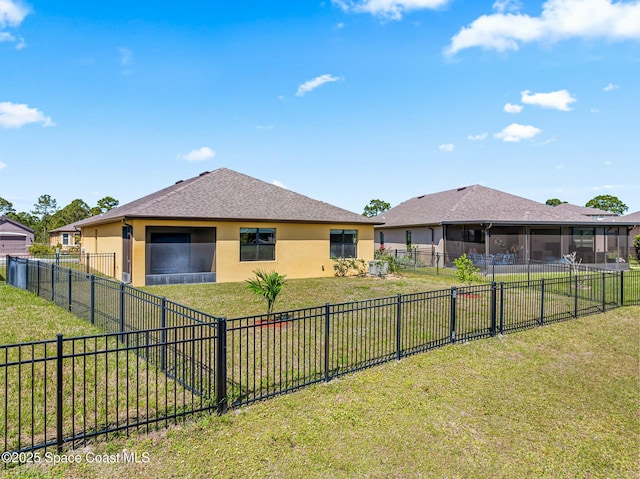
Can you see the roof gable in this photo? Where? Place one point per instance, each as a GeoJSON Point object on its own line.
{"type": "Point", "coordinates": [6, 219]}
{"type": "Point", "coordinates": [225, 194]}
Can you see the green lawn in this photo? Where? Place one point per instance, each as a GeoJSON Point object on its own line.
{"type": "Point", "coordinates": [555, 402]}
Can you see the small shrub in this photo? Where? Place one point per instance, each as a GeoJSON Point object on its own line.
{"type": "Point", "coordinates": [349, 267]}
{"type": "Point", "coordinates": [636, 245]}
{"type": "Point", "coordinates": [383, 255]}
{"type": "Point", "coordinates": [465, 271]}
{"type": "Point", "coordinates": [267, 285]}
{"type": "Point", "coordinates": [40, 248]}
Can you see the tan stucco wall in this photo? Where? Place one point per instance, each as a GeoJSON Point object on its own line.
{"type": "Point", "coordinates": [302, 249]}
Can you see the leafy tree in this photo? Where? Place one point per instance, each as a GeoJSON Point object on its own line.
{"type": "Point", "coordinates": [608, 203]}
{"type": "Point", "coordinates": [554, 202]}
{"type": "Point", "coordinates": [43, 210]}
{"type": "Point", "coordinates": [636, 245]}
{"type": "Point", "coordinates": [375, 207]}
{"type": "Point", "coordinates": [75, 211]}
{"type": "Point", "coordinates": [6, 207]}
{"type": "Point", "coordinates": [104, 204]}
{"type": "Point", "coordinates": [268, 285]}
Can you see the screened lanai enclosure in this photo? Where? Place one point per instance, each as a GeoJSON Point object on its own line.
{"type": "Point", "coordinates": [178, 255]}
{"type": "Point", "coordinates": [605, 245]}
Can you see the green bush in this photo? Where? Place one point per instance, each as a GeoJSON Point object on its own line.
{"type": "Point", "coordinates": [636, 245]}
{"type": "Point", "coordinates": [349, 267]}
{"type": "Point", "coordinates": [40, 248]}
{"type": "Point", "coordinates": [465, 271]}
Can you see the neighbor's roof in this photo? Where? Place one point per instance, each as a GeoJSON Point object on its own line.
{"type": "Point", "coordinates": [225, 194]}
{"type": "Point", "coordinates": [584, 210]}
{"type": "Point", "coordinates": [6, 219]}
{"type": "Point", "coordinates": [632, 217]}
{"type": "Point", "coordinates": [72, 227]}
{"type": "Point", "coordinates": [479, 204]}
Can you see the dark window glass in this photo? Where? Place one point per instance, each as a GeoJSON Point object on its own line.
{"type": "Point", "coordinates": [343, 243]}
{"type": "Point", "coordinates": [257, 244]}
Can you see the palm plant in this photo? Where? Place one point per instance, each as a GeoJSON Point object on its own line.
{"type": "Point", "coordinates": [267, 285]}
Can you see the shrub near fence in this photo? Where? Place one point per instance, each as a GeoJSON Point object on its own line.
{"type": "Point", "coordinates": [161, 360]}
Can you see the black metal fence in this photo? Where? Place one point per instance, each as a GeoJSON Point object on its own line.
{"type": "Point", "coordinates": [103, 264]}
{"type": "Point", "coordinates": [161, 361]}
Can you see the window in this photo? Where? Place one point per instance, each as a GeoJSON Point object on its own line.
{"type": "Point", "coordinates": [382, 238]}
{"type": "Point", "coordinates": [583, 238]}
{"type": "Point", "coordinates": [343, 243]}
{"type": "Point", "coordinates": [408, 237]}
{"type": "Point", "coordinates": [65, 239]}
{"type": "Point", "coordinates": [257, 244]}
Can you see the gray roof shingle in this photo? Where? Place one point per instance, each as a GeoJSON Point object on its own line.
{"type": "Point", "coordinates": [224, 194]}
{"type": "Point", "coordinates": [479, 204]}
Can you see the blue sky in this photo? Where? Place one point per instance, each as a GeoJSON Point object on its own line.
{"type": "Point", "coordinates": [343, 101]}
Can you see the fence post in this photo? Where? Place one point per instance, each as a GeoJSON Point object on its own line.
{"type": "Point", "coordinates": [604, 298]}
{"type": "Point", "coordinates": [38, 276]}
{"type": "Point", "coordinates": [221, 366]}
{"type": "Point", "coordinates": [92, 298]}
{"type": "Point", "coordinates": [542, 303]}
{"type": "Point", "coordinates": [87, 263]}
{"type": "Point", "coordinates": [59, 393]}
{"type": "Point", "coordinates": [575, 300]}
{"type": "Point", "coordinates": [122, 296]}
{"type": "Point", "coordinates": [501, 307]}
{"type": "Point", "coordinates": [163, 334]}
{"type": "Point", "coordinates": [53, 283]}
{"type": "Point", "coordinates": [621, 288]}
{"type": "Point", "coordinates": [493, 309]}
{"type": "Point", "coordinates": [399, 328]}
{"type": "Point", "coordinates": [452, 315]}
{"type": "Point", "coordinates": [69, 288]}
{"type": "Point", "coordinates": [326, 342]}
{"type": "Point", "coordinates": [113, 262]}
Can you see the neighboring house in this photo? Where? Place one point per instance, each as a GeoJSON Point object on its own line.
{"type": "Point", "coordinates": [67, 237]}
{"type": "Point", "coordinates": [634, 230]}
{"type": "Point", "coordinates": [221, 226]}
{"type": "Point", "coordinates": [493, 227]}
{"type": "Point", "coordinates": [585, 210]}
{"type": "Point", "coordinates": [15, 238]}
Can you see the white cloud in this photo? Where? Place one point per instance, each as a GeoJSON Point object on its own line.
{"type": "Point", "coordinates": [339, 25]}
{"type": "Point", "coordinates": [506, 6]}
{"type": "Point", "coordinates": [480, 137]}
{"type": "Point", "coordinates": [447, 147]}
{"type": "Point", "coordinates": [388, 9]}
{"type": "Point", "coordinates": [12, 13]}
{"type": "Point", "coordinates": [559, 20]}
{"type": "Point", "coordinates": [310, 85]}
{"type": "Point", "coordinates": [611, 87]}
{"type": "Point", "coordinates": [15, 115]}
{"type": "Point", "coordinates": [608, 163]}
{"type": "Point", "coordinates": [557, 100]}
{"type": "Point", "coordinates": [515, 132]}
{"type": "Point", "coordinates": [280, 184]}
{"type": "Point", "coordinates": [607, 187]}
{"type": "Point", "coordinates": [265, 127]}
{"type": "Point", "coordinates": [2, 165]}
{"type": "Point", "coordinates": [511, 108]}
{"type": "Point", "coordinates": [201, 154]}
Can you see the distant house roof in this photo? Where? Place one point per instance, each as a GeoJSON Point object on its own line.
{"type": "Point", "coordinates": [225, 194]}
{"type": "Point", "coordinates": [584, 210]}
{"type": "Point", "coordinates": [70, 228]}
{"type": "Point", "coordinates": [632, 217]}
{"type": "Point", "coordinates": [6, 219]}
{"type": "Point", "coordinates": [479, 204]}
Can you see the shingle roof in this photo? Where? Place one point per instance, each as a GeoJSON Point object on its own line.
{"type": "Point", "coordinates": [70, 227]}
{"type": "Point", "coordinates": [584, 210]}
{"type": "Point", "coordinates": [479, 204]}
{"type": "Point", "coordinates": [6, 219]}
{"type": "Point", "coordinates": [632, 217]}
{"type": "Point", "coordinates": [225, 194]}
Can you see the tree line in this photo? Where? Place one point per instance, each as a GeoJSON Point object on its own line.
{"type": "Point", "coordinates": [46, 215]}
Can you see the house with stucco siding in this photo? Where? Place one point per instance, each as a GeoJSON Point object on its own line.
{"type": "Point", "coordinates": [222, 225]}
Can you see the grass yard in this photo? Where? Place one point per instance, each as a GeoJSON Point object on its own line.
{"type": "Point", "coordinates": [234, 300]}
{"type": "Point", "coordinates": [555, 402]}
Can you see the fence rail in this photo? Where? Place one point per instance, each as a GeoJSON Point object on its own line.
{"type": "Point", "coordinates": [160, 361]}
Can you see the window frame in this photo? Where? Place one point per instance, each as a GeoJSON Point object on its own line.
{"type": "Point", "coordinates": [343, 233]}
{"type": "Point", "coordinates": [256, 245]}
